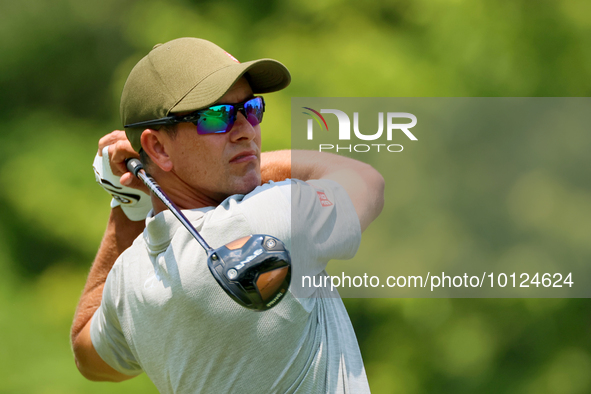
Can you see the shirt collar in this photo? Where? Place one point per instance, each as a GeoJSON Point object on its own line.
{"type": "Point", "coordinates": [161, 228]}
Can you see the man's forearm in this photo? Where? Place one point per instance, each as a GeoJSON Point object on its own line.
{"type": "Point", "coordinates": [119, 235]}
{"type": "Point", "coordinates": [302, 165]}
{"type": "Point", "coordinates": [275, 166]}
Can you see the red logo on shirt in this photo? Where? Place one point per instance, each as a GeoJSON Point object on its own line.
{"type": "Point", "coordinates": [324, 201]}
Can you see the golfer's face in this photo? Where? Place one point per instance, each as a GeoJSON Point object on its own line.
{"type": "Point", "coordinates": [220, 164]}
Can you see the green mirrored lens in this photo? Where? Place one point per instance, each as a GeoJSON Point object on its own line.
{"type": "Point", "coordinates": [221, 118]}
{"type": "Point", "coordinates": [216, 119]}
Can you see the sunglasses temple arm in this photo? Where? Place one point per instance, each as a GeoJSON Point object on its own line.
{"type": "Point", "coordinates": [169, 120]}
{"type": "Point", "coordinates": [136, 168]}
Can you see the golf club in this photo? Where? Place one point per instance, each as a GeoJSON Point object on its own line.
{"type": "Point", "coordinates": [254, 270]}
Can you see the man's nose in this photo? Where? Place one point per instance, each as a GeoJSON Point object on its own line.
{"type": "Point", "coordinates": [242, 129]}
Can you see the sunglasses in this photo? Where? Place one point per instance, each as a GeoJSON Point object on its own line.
{"type": "Point", "coordinates": [215, 119]}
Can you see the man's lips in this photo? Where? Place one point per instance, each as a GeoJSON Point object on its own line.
{"type": "Point", "coordinates": [243, 157]}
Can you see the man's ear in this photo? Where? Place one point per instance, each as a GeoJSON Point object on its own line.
{"type": "Point", "coordinates": [154, 144]}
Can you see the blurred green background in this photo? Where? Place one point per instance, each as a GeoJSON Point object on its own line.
{"type": "Point", "coordinates": [63, 64]}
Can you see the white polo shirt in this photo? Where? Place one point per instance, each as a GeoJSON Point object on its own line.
{"type": "Point", "coordinates": [163, 313]}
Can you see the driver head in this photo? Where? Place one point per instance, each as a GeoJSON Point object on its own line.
{"type": "Point", "coordinates": [254, 270]}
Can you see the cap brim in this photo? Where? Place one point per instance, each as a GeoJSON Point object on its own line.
{"type": "Point", "coordinates": [264, 76]}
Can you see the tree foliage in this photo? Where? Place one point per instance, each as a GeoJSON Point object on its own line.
{"type": "Point", "coordinates": [62, 68]}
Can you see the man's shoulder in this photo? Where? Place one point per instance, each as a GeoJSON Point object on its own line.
{"type": "Point", "coordinates": [289, 189]}
{"type": "Point", "coordinates": [132, 254]}
{"type": "Point", "coordinates": [271, 186]}
{"type": "Point", "coordinates": [269, 190]}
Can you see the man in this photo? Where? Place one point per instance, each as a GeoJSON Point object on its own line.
{"type": "Point", "coordinates": [160, 311]}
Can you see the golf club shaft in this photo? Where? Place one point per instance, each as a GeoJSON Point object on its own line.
{"type": "Point", "coordinates": [136, 168]}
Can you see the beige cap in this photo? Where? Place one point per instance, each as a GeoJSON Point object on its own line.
{"type": "Point", "coordinates": [188, 74]}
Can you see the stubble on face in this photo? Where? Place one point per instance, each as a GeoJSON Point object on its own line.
{"type": "Point", "coordinates": [209, 168]}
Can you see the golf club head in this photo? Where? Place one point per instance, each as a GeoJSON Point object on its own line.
{"type": "Point", "coordinates": [254, 270]}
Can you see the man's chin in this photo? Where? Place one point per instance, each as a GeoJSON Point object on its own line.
{"type": "Point", "coordinates": [247, 183]}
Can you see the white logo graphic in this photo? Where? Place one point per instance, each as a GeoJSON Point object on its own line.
{"type": "Point", "coordinates": [393, 122]}
{"type": "Point", "coordinates": [345, 125]}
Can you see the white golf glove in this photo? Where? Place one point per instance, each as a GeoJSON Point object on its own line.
{"type": "Point", "coordinates": [135, 203]}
